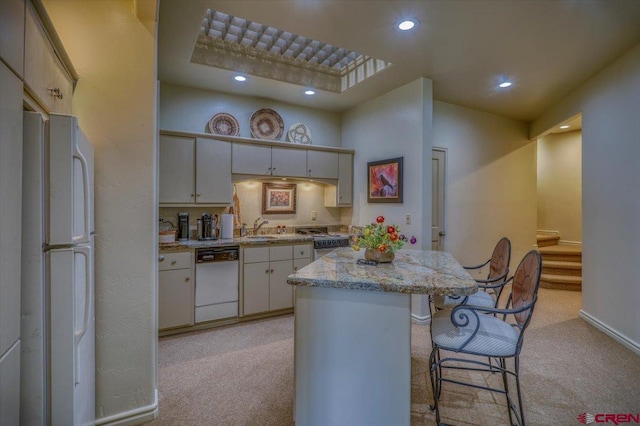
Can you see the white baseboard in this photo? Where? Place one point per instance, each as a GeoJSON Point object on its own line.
{"type": "Point", "coordinates": [421, 320]}
{"type": "Point", "coordinates": [547, 232]}
{"type": "Point", "coordinates": [620, 338]}
{"type": "Point", "coordinates": [132, 417]}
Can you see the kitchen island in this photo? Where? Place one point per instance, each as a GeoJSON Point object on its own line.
{"type": "Point", "coordinates": [353, 334]}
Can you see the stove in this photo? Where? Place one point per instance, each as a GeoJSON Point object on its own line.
{"type": "Point", "coordinates": [322, 239]}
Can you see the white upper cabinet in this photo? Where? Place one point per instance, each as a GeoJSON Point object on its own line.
{"type": "Point", "coordinates": [194, 171]}
{"type": "Point", "coordinates": [45, 76]}
{"type": "Point", "coordinates": [251, 159]}
{"type": "Point", "coordinates": [288, 162]}
{"type": "Point", "coordinates": [345, 179]}
{"type": "Point", "coordinates": [12, 40]}
{"type": "Point", "coordinates": [177, 169]}
{"type": "Point", "coordinates": [213, 171]}
{"type": "Point", "coordinates": [322, 164]}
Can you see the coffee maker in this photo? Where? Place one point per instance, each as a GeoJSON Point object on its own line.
{"type": "Point", "coordinates": [183, 226]}
{"type": "Point", "coordinates": [208, 227]}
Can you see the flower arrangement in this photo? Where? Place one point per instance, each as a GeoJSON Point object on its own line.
{"type": "Point", "coordinates": [381, 237]}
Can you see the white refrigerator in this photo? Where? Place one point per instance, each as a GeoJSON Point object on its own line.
{"type": "Point", "coordinates": [57, 380]}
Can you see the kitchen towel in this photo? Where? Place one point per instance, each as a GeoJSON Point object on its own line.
{"type": "Point", "coordinates": [226, 227]}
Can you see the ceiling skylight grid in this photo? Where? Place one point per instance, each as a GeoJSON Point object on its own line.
{"type": "Point", "coordinates": [233, 43]}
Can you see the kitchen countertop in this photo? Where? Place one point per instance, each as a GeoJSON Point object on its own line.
{"type": "Point", "coordinates": [245, 241]}
{"type": "Point", "coordinates": [412, 271]}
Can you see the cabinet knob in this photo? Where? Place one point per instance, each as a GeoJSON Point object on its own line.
{"type": "Point", "coordinates": [198, 194]}
{"type": "Point", "coordinates": [295, 269]}
{"type": "Point", "coordinates": [271, 270]}
{"type": "Point", "coordinates": [173, 262]}
{"type": "Point", "coordinates": [161, 258]}
{"type": "Point", "coordinates": [187, 279]}
{"type": "Point", "coordinates": [193, 194]}
{"type": "Point", "coordinates": [266, 272]}
{"type": "Point", "coordinates": [269, 171]}
{"type": "Point", "coordinates": [273, 171]}
{"type": "Point", "coordinates": [309, 172]}
{"type": "Point", "coordinates": [301, 252]}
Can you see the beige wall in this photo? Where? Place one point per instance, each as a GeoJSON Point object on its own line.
{"type": "Point", "coordinates": [560, 184]}
{"type": "Point", "coordinates": [490, 182]}
{"type": "Point", "coordinates": [396, 124]}
{"type": "Point", "coordinates": [189, 109]}
{"type": "Point", "coordinates": [609, 103]}
{"type": "Point", "coordinates": [115, 100]}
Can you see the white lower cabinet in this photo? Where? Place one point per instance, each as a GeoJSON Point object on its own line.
{"type": "Point", "coordinates": [175, 290]}
{"type": "Point", "coordinates": [10, 386]}
{"type": "Point", "coordinates": [265, 272]}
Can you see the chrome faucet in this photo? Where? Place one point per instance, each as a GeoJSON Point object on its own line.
{"type": "Point", "coordinates": [256, 227]}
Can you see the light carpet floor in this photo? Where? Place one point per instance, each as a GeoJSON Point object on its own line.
{"type": "Point", "coordinates": [242, 374]}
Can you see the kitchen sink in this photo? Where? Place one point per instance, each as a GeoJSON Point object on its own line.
{"type": "Point", "coordinates": [262, 237]}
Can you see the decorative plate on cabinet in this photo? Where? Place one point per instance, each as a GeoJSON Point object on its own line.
{"type": "Point", "coordinates": [224, 124]}
{"type": "Point", "coordinates": [266, 124]}
{"type": "Point", "coordinates": [299, 133]}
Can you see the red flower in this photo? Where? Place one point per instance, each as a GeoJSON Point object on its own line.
{"type": "Point", "coordinates": [380, 219]}
{"type": "Point", "coordinates": [382, 247]}
{"type": "Point", "coordinates": [391, 229]}
{"type": "Point", "coordinates": [393, 237]}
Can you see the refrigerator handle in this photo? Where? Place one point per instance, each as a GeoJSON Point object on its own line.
{"type": "Point", "coordinates": [87, 293]}
{"type": "Point", "coordinates": [87, 207]}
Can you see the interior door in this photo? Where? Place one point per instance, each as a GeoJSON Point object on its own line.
{"type": "Point", "coordinates": [438, 162]}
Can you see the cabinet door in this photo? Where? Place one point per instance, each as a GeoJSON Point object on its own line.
{"type": "Point", "coordinates": [12, 40]}
{"type": "Point", "coordinates": [62, 82]}
{"type": "Point", "coordinates": [322, 164]}
{"type": "Point", "coordinates": [345, 180]}
{"type": "Point", "coordinates": [300, 263]}
{"type": "Point", "coordinates": [280, 293]}
{"type": "Point", "coordinates": [175, 298]}
{"type": "Point", "coordinates": [213, 171]}
{"type": "Point", "coordinates": [288, 162]}
{"type": "Point", "coordinates": [256, 288]}
{"type": "Point", "coordinates": [177, 171]}
{"type": "Point", "coordinates": [10, 206]}
{"type": "Point", "coordinates": [251, 159]}
{"type": "Point", "coordinates": [38, 59]}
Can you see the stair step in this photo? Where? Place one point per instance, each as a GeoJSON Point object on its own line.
{"type": "Point", "coordinates": [562, 253]}
{"type": "Point", "coordinates": [554, 267]}
{"type": "Point", "coordinates": [560, 282]}
{"type": "Point", "coordinates": [545, 240]}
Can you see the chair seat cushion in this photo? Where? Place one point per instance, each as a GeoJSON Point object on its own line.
{"type": "Point", "coordinates": [495, 337]}
{"type": "Point", "coordinates": [480, 298]}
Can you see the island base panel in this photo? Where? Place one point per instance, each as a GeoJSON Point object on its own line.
{"type": "Point", "coordinates": [352, 357]}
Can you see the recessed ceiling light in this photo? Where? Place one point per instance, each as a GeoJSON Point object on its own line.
{"type": "Point", "coordinates": [505, 84]}
{"type": "Point", "coordinates": [407, 24]}
{"type": "Point", "coordinates": [566, 126]}
{"type": "Point", "coordinates": [309, 92]}
{"type": "Point", "coordinates": [240, 78]}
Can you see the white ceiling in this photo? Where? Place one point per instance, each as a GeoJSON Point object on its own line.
{"type": "Point", "coordinates": [547, 48]}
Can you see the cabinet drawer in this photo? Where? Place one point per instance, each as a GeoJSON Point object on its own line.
{"type": "Point", "coordinates": [280, 253]}
{"type": "Point", "coordinates": [169, 261]}
{"type": "Point", "coordinates": [301, 251]}
{"type": "Point", "coordinates": [256, 254]}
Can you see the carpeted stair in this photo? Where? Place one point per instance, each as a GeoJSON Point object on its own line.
{"type": "Point", "coordinates": [561, 264]}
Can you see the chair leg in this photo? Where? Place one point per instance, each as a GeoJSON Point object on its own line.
{"type": "Point", "coordinates": [434, 373]}
{"type": "Point", "coordinates": [517, 369]}
{"type": "Point", "coordinates": [505, 381]}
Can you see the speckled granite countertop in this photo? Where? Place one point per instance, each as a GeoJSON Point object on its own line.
{"type": "Point", "coordinates": [258, 240]}
{"type": "Point", "coordinates": [412, 271]}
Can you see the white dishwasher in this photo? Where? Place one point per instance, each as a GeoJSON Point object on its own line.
{"type": "Point", "coordinates": [216, 283]}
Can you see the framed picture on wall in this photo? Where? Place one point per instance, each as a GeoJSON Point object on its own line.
{"type": "Point", "coordinates": [278, 198]}
{"type": "Point", "coordinates": [384, 181]}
